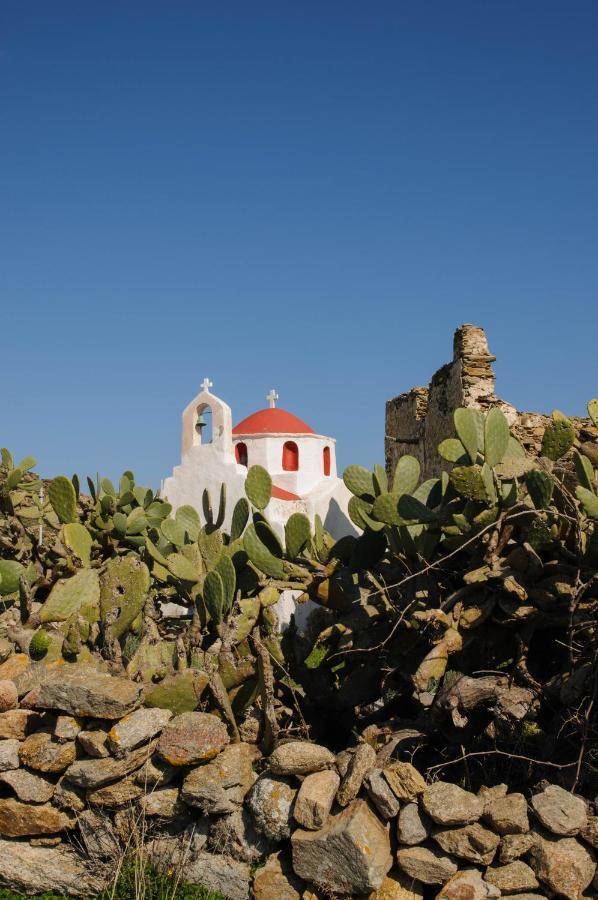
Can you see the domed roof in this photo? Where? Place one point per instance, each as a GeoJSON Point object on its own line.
{"type": "Point", "coordinates": [272, 421]}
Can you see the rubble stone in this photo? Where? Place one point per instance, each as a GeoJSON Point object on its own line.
{"type": "Point", "coordinates": [559, 811]}
{"type": "Point", "coordinates": [119, 793]}
{"type": "Point", "coordinates": [191, 738]}
{"type": "Point", "coordinates": [513, 878]}
{"type": "Point", "coordinates": [427, 865]}
{"type": "Point", "coordinates": [9, 697]}
{"type": "Point", "coordinates": [471, 842]}
{"type": "Point", "coordinates": [412, 825]}
{"type": "Point", "coordinates": [590, 832]}
{"type": "Point", "coordinates": [468, 885]}
{"type": "Point", "coordinates": [22, 819]}
{"type": "Point", "coordinates": [449, 804]}
{"type": "Point", "coordinates": [34, 870]}
{"type": "Point", "coordinates": [360, 763]}
{"type": "Point", "coordinates": [221, 874]}
{"type": "Point", "coordinates": [93, 773]}
{"type": "Point", "coordinates": [276, 880]}
{"type": "Point", "coordinates": [40, 752]}
{"type": "Point", "coordinates": [235, 835]}
{"type": "Point", "coordinates": [349, 855]}
{"type": "Point", "coordinates": [221, 786]}
{"type": "Point", "coordinates": [271, 801]}
{"type": "Point", "coordinates": [9, 755]}
{"type": "Point", "coordinates": [300, 758]}
{"type": "Point", "coordinates": [404, 779]}
{"type": "Point", "coordinates": [507, 815]}
{"type": "Point", "coordinates": [563, 864]}
{"type": "Point", "coordinates": [98, 835]}
{"type": "Point", "coordinates": [163, 803]}
{"type": "Point", "coordinates": [381, 794]}
{"type": "Point", "coordinates": [94, 743]}
{"type": "Point", "coordinates": [137, 728]}
{"type": "Point", "coordinates": [28, 787]}
{"type": "Point", "coordinates": [67, 728]}
{"type": "Point", "coordinates": [397, 886]}
{"type": "Point", "coordinates": [82, 691]}
{"type": "Point", "coordinates": [18, 723]}
{"type": "Point", "coordinates": [512, 846]}
{"type": "Point", "coordinates": [315, 798]}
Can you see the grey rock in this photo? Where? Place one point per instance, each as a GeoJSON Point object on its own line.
{"type": "Point", "coordinates": [413, 825]}
{"type": "Point", "coordinates": [82, 691]}
{"type": "Point", "coordinates": [236, 836]}
{"type": "Point", "coordinates": [98, 834]}
{"type": "Point", "coordinates": [381, 794]}
{"type": "Point", "coordinates": [18, 723]}
{"type": "Point", "coordinates": [115, 795]}
{"type": "Point", "coordinates": [471, 842]}
{"type": "Point", "coordinates": [426, 864]}
{"type": "Point", "coordinates": [221, 874]}
{"type": "Point", "coordinates": [468, 885]}
{"type": "Point", "coordinates": [513, 878]}
{"type": "Point", "coordinates": [94, 743]}
{"type": "Point", "coordinates": [9, 755]}
{"type": "Point", "coordinates": [507, 815]}
{"type": "Point", "coordinates": [136, 729]}
{"type": "Point", "coordinates": [271, 801]}
{"type": "Point", "coordinates": [9, 696]}
{"type": "Point", "coordinates": [40, 752]}
{"type": "Point", "coordinates": [67, 796]}
{"type": "Point", "coordinates": [512, 846]}
{"type": "Point", "coordinates": [559, 811]}
{"type": "Point", "coordinates": [154, 773]}
{"type": "Point", "coordinates": [590, 832]}
{"type": "Point", "coordinates": [93, 773]}
{"type": "Point", "coordinates": [67, 728]}
{"type": "Point", "coordinates": [28, 787]}
{"type": "Point", "coordinates": [24, 819]}
{"type": "Point", "coordinates": [276, 880]}
{"type": "Point", "coordinates": [405, 781]}
{"type": "Point", "coordinates": [349, 855]}
{"type": "Point", "coordinates": [360, 763]}
{"type": "Point", "coordinates": [191, 738]}
{"type": "Point", "coordinates": [563, 864]}
{"type": "Point", "coordinates": [221, 785]}
{"type": "Point", "coordinates": [164, 803]}
{"type": "Point", "coordinates": [449, 804]}
{"type": "Point", "coordinates": [300, 758]}
{"type": "Point", "coordinates": [315, 798]}
{"type": "Point", "coordinates": [397, 886]}
{"type": "Point", "coordinates": [35, 870]}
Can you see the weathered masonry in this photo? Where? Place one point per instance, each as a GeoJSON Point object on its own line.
{"type": "Point", "coordinates": [418, 420]}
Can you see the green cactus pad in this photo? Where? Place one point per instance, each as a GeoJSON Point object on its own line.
{"type": "Point", "coordinates": [123, 586]}
{"type": "Point", "coordinates": [412, 509]}
{"type": "Point", "coordinates": [269, 596]}
{"type": "Point", "coordinates": [210, 544]}
{"type": "Point", "coordinates": [10, 572]}
{"type": "Point", "coordinates": [225, 568]}
{"type": "Point", "coordinates": [63, 499]}
{"type": "Point", "coordinates": [386, 509]}
{"type": "Point", "coordinates": [258, 487]}
{"type": "Point", "coordinates": [584, 470]}
{"type": "Point", "coordinates": [39, 644]}
{"type": "Point", "coordinates": [469, 428]}
{"type": "Point", "coordinates": [452, 450]}
{"type": "Point", "coordinates": [406, 475]}
{"type": "Point", "coordinates": [245, 621]}
{"type": "Point", "coordinates": [173, 531]}
{"type": "Point", "coordinates": [213, 596]}
{"type": "Point", "coordinates": [540, 486]}
{"type": "Point", "coordinates": [297, 532]}
{"type": "Point", "coordinates": [468, 482]}
{"type": "Point", "coordinates": [268, 536]}
{"type": "Point", "coordinates": [593, 410]}
{"type": "Point", "coordinates": [69, 595]}
{"type": "Point", "coordinates": [360, 482]}
{"type": "Point", "coordinates": [181, 567]}
{"type": "Point", "coordinates": [496, 436]}
{"type": "Point", "coordinates": [239, 519]}
{"type": "Point", "coordinates": [259, 554]}
{"type": "Point", "coordinates": [380, 480]}
{"type": "Point", "coordinates": [558, 438]}
{"type": "Point", "coordinates": [589, 501]}
{"type": "Point", "coordinates": [188, 518]}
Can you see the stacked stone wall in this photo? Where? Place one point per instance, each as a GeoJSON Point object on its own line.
{"type": "Point", "coordinates": [88, 772]}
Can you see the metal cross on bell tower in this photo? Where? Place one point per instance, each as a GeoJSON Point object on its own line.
{"type": "Point", "coordinates": [272, 397]}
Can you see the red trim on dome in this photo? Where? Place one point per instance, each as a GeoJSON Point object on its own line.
{"type": "Point", "coordinates": [272, 421]}
{"type": "Point", "coordinates": [281, 494]}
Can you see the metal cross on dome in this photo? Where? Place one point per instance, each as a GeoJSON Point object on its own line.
{"type": "Point", "coordinates": [272, 397]}
{"type": "Point", "coordinates": [206, 385]}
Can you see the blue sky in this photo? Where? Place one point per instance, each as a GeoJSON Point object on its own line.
{"type": "Point", "coordinates": [308, 196]}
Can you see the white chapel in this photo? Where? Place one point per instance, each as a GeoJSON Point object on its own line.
{"type": "Point", "coordinates": [301, 463]}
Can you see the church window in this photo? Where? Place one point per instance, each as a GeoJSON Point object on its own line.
{"type": "Point", "coordinates": [290, 456]}
{"type": "Point", "coordinates": [241, 453]}
{"type": "Point", "coordinates": [326, 460]}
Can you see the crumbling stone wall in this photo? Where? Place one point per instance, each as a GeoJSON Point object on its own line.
{"type": "Point", "coordinates": [418, 420]}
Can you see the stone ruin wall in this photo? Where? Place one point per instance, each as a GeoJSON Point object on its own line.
{"type": "Point", "coordinates": [417, 421]}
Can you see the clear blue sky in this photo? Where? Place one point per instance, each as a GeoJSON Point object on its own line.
{"type": "Point", "coordinates": [309, 196]}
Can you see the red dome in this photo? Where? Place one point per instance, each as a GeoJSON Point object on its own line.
{"type": "Point", "coordinates": [272, 421]}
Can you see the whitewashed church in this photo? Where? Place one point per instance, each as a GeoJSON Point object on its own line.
{"type": "Point", "coordinates": [301, 463]}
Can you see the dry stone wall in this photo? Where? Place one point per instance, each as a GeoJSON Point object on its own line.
{"type": "Point", "coordinates": [417, 421]}
{"type": "Point", "coordinates": [87, 771]}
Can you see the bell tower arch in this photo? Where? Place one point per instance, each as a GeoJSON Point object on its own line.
{"type": "Point", "coordinates": [194, 421]}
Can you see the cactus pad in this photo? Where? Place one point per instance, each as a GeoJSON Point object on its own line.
{"type": "Point", "coordinates": [258, 487]}
{"type": "Point", "coordinates": [406, 475]}
{"type": "Point", "coordinates": [63, 499]}
{"type": "Point", "coordinates": [297, 532]}
{"type": "Point", "coordinates": [496, 436]}
{"type": "Point", "coordinates": [558, 438]}
{"type": "Point", "coordinates": [123, 591]}
{"type": "Point", "coordinates": [359, 481]}
{"type": "Point", "coordinates": [69, 595]}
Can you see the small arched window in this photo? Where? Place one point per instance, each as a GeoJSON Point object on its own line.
{"type": "Point", "coordinates": [241, 453]}
{"type": "Point", "coordinates": [290, 456]}
{"type": "Point", "coordinates": [326, 460]}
